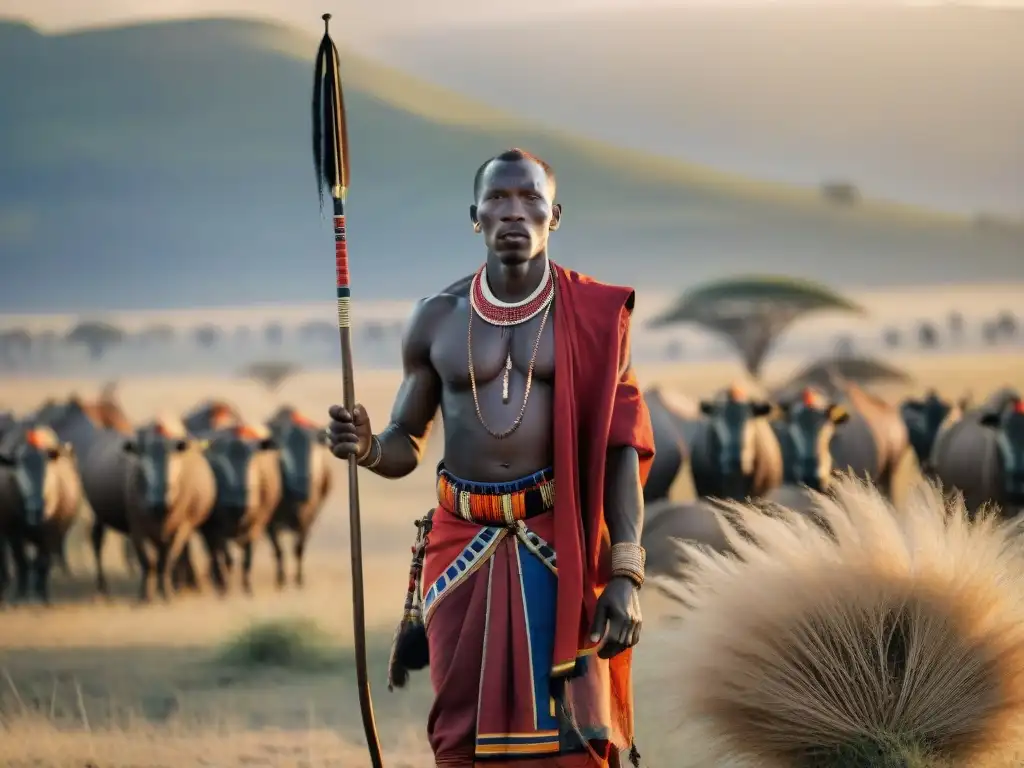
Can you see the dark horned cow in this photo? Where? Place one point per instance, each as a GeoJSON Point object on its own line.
{"type": "Point", "coordinates": [306, 482]}
{"type": "Point", "coordinates": [980, 455]}
{"type": "Point", "coordinates": [211, 416]}
{"type": "Point", "coordinates": [925, 419]}
{"type": "Point", "coordinates": [171, 494]}
{"type": "Point", "coordinates": [869, 442]}
{"type": "Point", "coordinates": [805, 430]}
{"type": "Point", "coordinates": [1008, 425]}
{"type": "Point", "coordinates": [40, 495]}
{"type": "Point", "coordinates": [204, 419]}
{"type": "Point", "coordinates": [732, 451]}
{"type": "Point", "coordinates": [245, 460]}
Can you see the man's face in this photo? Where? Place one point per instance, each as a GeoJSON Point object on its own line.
{"type": "Point", "coordinates": [515, 211]}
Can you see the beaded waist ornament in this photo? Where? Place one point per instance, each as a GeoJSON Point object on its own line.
{"type": "Point", "coordinates": [496, 503]}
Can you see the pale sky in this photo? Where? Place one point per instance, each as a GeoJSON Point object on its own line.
{"type": "Point", "coordinates": [368, 17]}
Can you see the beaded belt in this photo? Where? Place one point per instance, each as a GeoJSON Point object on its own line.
{"type": "Point", "coordinates": [497, 503]}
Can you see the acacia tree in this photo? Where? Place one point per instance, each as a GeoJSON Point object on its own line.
{"type": "Point", "coordinates": [96, 336]}
{"type": "Point", "coordinates": [15, 346]}
{"type": "Point", "coordinates": [828, 373]}
{"type": "Point", "coordinates": [750, 313]}
{"type": "Point", "coordinates": [271, 374]}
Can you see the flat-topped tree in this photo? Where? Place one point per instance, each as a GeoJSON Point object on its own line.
{"type": "Point", "coordinates": [752, 312]}
{"type": "Point", "coordinates": [96, 336]}
{"type": "Point", "coordinates": [271, 374]}
{"type": "Point", "coordinates": [15, 345]}
{"type": "Point", "coordinates": [827, 373]}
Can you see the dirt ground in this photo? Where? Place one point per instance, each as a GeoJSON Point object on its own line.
{"type": "Point", "coordinates": [106, 683]}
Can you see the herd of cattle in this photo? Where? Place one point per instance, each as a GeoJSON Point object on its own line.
{"type": "Point", "coordinates": [736, 447]}
{"type": "Point", "coordinates": [208, 474]}
{"type": "Point", "coordinates": [211, 475]}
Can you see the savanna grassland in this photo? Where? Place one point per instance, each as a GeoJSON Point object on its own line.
{"type": "Point", "coordinates": [268, 680]}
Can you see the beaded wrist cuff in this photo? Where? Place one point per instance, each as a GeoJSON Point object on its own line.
{"type": "Point", "coordinates": [628, 560]}
{"type": "Point", "coordinates": [373, 454]}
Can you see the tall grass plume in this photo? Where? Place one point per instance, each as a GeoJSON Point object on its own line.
{"type": "Point", "coordinates": [896, 639]}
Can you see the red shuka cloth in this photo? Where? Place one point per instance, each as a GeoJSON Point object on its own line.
{"type": "Point", "coordinates": [597, 406]}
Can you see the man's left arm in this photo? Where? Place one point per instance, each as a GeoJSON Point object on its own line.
{"type": "Point", "coordinates": [623, 495]}
{"type": "Point", "coordinates": [630, 451]}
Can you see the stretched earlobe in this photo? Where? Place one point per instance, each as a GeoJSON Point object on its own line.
{"type": "Point", "coordinates": [556, 217]}
{"type": "Point", "coordinates": [476, 227]}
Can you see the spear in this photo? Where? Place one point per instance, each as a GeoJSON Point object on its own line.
{"type": "Point", "coordinates": [330, 158]}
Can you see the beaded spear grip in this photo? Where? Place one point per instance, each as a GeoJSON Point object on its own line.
{"type": "Point", "coordinates": [341, 270]}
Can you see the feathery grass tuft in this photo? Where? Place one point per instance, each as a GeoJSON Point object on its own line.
{"type": "Point", "coordinates": [896, 640]}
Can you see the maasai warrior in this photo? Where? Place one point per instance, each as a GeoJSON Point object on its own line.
{"type": "Point", "coordinates": [532, 566]}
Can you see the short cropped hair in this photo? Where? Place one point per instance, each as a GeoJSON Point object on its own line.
{"type": "Point", "coordinates": [512, 155]}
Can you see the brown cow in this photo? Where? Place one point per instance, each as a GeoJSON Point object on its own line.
{"type": "Point", "coordinates": [865, 436]}
{"type": "Point", "coordinates": [306, 479]}
{"type": "Point", "coordinates": [103, 465]}
{"type": "Point", "coordinates": [886, 429]}
{"type": "Point", "coordinates": [40, 494]}
{"type": "Point", "coordinates": [733, 452]}
{"type": "Point", "coordinates": [201, 421]}
{"type": "Point", "coordinates": [171, 496]}
{"type": "Point", "coordinates": [246, 466]}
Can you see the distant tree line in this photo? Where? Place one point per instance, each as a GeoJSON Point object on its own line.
{"type": "Point", "coordinates": [748, 314]}
{"type": "Point", "coordinates": [19, 346]}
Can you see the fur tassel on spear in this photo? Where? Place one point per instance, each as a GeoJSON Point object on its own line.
{"type": "Point", "coordinates": [330, 158]}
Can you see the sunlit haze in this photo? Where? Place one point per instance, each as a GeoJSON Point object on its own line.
{"type": "Point", "coordinates": [366, 17]}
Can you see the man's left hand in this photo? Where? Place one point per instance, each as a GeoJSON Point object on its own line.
{"type": "Point", "coordinates": [617, 618]}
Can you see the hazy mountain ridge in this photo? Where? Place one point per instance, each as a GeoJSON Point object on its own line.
{"type": "Point", "coordinates": [168, 165]}
{"type": "Point", "coordinates": [916, 103]}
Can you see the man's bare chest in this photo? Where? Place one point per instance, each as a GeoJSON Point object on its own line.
{"type": "Point", "coordinates": [530, 344]}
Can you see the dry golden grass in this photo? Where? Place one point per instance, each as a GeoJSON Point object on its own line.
{"type": "Point", "coordinates": [118, 685]}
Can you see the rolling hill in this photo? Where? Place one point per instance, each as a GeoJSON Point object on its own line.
{"type": "Point", "coordinates": [168, 164]}
{"type": "Point", "coordinates": [916, 102]}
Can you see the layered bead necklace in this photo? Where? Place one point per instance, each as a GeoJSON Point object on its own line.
{"type": "Point", "coordinates": [494, 311]}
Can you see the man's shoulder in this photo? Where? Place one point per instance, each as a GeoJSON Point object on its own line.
{"type": "Point", "coordinates": [602, 295]}
{"type": "Point", "coordinates": [445, 299]}
{"type": "Point", "coordinates": [430, 311]}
